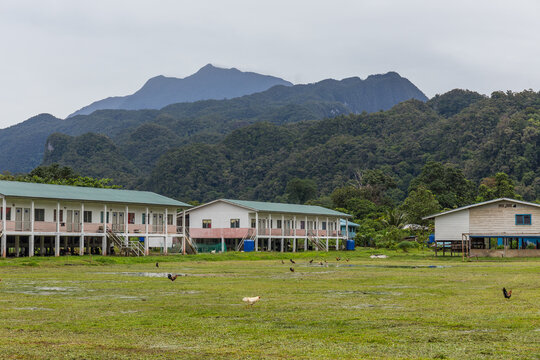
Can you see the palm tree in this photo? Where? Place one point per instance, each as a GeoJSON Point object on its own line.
{"type": "Point", "coordinates": [394, 217]}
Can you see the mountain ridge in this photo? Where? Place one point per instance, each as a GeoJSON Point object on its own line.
{"type": "Point", "coordinates": [209, 82]}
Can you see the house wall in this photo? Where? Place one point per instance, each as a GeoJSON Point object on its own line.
{"type": "Point", "coordinates": [452, 226]}
{"type": "Point", "coordinates": [95, 226]}
{"type": "Point", "coordinates": [494, 218]}
{"type": "Point", "coordinates": [220, 213]}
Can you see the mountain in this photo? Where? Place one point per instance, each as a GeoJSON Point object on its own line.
{"type": "Point", "coordinates": [206, 121]}
{"type": "Point", "coordinates": [209, 82]}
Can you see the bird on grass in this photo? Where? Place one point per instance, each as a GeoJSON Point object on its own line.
{"type": "Point", "coordinates": [283, 262]}
{"type": "Point", "coordinates": [320, 263]}
{"type": "Point", "coordinates": [172, 277]}
{"type": "Point", "coordinates": [311, 261]}
{"type": "Point", "coordinates": [292, 269]}
{"type": "Point", "coordinates": [292, 261]}
{"type": "Point", "coordinates": [507, 294]}
{"type": "Point", "coordinates": [338, 258]}
{"type": "Point", "coordinates": [251, 300]}
{"type": "Point", "coordinates": [347, 259]}
{"type": "Point", "coordinates": [157, 264]}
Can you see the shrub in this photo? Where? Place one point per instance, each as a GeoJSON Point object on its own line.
{"type": "Point", "coordinates": [405, 245]}
{"type": "Point", "coordinates": [531, 246]}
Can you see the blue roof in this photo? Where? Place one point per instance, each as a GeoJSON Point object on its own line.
{"type": "Point", "coordinates": [343, 222]}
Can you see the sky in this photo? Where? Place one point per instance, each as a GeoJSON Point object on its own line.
{"type": "Point", "coordinates": [58, 56]}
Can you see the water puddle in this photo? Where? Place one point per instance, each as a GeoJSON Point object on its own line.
{"type": "Point", "coordinates": [143, 274]}
{"type": "Point", "coordinates": [372, 306]}
{"type": "Point", "coordinates": [32, 308]}
{"type": "Point", "coordinates": [393, 266]}
{"type": "Point", "coordinates": [360, 292]}
{"type": "Point", "coordinates": [43, 290]}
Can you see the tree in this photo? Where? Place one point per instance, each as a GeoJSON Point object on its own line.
{"type": "Point", "coordinates": [497, 187]}
{"type": "Point", "coordinates": [418, 204]}
{"type": "Point", "coordinates": [301, 190]}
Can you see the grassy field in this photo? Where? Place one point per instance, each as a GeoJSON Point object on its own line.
{"type": "Point", "coordinates": [410, 306]}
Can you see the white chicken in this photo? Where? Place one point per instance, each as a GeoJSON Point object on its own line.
{"type": "Point", "coordinates": [251, 300]}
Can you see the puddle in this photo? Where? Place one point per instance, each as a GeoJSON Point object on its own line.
{"type": "Point", "coordinates": [32, 308]}
{"type": "Point", "coordinates": [368, 306]}
{"type": "Point", "coordinates": [393, 266]}
{"type": "Point", "coordinates": [129, 311]}
{"type": "Point", "coordinates": [143, 274]}
{"type": "Point", "coordinates": [43, 290]}
{"type": "Point", "coordinates": [359, 292]}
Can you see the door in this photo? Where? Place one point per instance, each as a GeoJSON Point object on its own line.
{"type": "Point", "coordinates": [157, 223]}
{"type": "Point", "coordinates": [76, 220]}
{"type": "Point", "coordinates": [69, 220]}
{"type": "Point", "coordinates": [26, 219]}
{"type": "Point", "coordinates": [118, 221]}
{"type": "Point", "coordinates": [18, 219]}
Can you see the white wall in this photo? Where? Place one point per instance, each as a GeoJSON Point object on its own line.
{"type": "Point", "coordinates": [452, 226]}
{"type": "Point", "coordinates": [221, 214]}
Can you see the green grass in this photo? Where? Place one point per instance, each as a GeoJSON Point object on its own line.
{"type": "Point", "coordinates": [95, 308]}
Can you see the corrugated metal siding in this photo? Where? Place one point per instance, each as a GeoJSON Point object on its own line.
{"type": "Point", "coordinates": [452, 226]}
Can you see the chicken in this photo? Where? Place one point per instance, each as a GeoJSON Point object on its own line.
{"type": "Point", "coordinates": [172, 277]}
{"type": "Point", "coordinates": [292, 261]}
{"type": "Point", "coordinates": [507, 294]}
{"type": "Point", "coordinates": [338, 258]}
{"type": "Point", "coordinates": [292, 269]}
{"type": "Point", "coordinates": [251, 300]}
{"type": "Point", "coordinates": [347, 259]}
{"type": "Point", "coordinates": [157, 265]}
{"type": "Point", "coordinates": [283, 262]}
{"type": "Point", "coordinates": [320, 263]}
{"type": "Point", "coordinates": [311, 261]}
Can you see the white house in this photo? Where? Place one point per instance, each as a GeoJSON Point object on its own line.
{"type": "Point", "coordinates": [273, 226]}
{"type": "Point", "coordinates": [44, 219]}
{"type": "Point", "coordinates": [500, 227]}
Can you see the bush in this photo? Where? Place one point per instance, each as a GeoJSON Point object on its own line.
{"type": "Point", "coordinates": [405, 245]}
{"type": "Point", "coordinates": [531, 246]}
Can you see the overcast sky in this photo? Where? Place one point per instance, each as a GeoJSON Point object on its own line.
{"type": "Point", "coordinates": [58, 56]}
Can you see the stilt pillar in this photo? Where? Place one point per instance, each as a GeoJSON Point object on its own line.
{"type": "Point", "coordinates": [31, 246]}
{"type": "Point", "coordinates": [17, 243]}
{"type": "Point", "coordinates": [104, 245]}
{"type": "Point", "coordinates": [57, 245]}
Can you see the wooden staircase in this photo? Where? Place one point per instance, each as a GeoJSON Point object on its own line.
{"type": "Point", "coordinates": [191, 245]}
{"type": "Point", "coordinates": [132, 248]}
{"type": "Point", "coordinates": [316, 242]}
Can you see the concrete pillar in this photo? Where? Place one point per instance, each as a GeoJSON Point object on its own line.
{"type": "Point", "coordinates": [338, 229]}
{"type": "Point", "coordinates": [269, 231]}
{"type": "Point", "coordinates": [82, 219]}
{"type": "Point", "coordinates": [327, 233]}
{"type": "Point", "coordinates": [146, 223]}
{"type": "Point", "coordinates": [104, 244]}
{"type": "Point", "coordinates": [306, 239]}
{"type": "Point", "coordinates": [282, 230]}
{"type": "Point", "coordinates": [294, 245]}
{"type": "Point", "coordinates": [222, 244]}
{"type": "Point", "coordinates": [183, 232]}
{"type": "Point", "coordinates": [256, 231]}
{"type": "Point", "coordinates": [165, 249]}
{"type": "Point", "coordinates": [4, 236]}
{"type": "Point", "coordinates": [57, 243]}
{"type": "Point", "coordinates": [126, 227]}
{"type": "Point", "coordinates": [31, 245]}
{"type": "Point", "coordinates": [42, 245]}
{"type": "Point", "coordinates": [81, 245]}
{"type": "Point", "coordinates": [17, 241]}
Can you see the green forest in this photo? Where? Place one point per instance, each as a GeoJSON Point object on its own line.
{"type": "Point", "coordinates": [387, 169]}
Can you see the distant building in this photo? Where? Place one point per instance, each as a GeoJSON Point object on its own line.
{"type": "Point", "coordinates": [44, 219]}
{"type": "Point", "coordinates": [352, 228]}
{"type": "Point", "coordinates": [272, 226]}
{"type": "Point", "coordinates": [500, 227]}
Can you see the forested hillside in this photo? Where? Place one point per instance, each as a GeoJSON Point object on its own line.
{"type": "Point", "coordinates": [491, 135]}
{"type": "Point", "coordinates": [22, 146]}
{"type": "Point", "coordinates": [480, 135]}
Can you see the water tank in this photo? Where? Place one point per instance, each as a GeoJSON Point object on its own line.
{"type": "Point", "coordinates": [350, 245]}
{"type": "Point", "coordinates": [249, 245]}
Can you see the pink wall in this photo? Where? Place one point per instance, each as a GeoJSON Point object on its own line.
{"type": "Point", "coordinates": [218, 233]}
{"type": "Point", "coordinates": [44, 226]}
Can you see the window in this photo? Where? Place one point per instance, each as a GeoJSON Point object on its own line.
{"type": "Point", "coordinates": [207, 224]}
{"type": "Point", "coordinates": [170, 219]}
{"type": "Point", "coordinates": [253, 223]}
{"type": "Point", "coordinates": [302, 224]}
{"type": "Point", "coordinates": [61, 215]}
{"type": "Point", "coordinates": [39, 215]}
{"type": "Point", "coordinates": [279, 224]}
{"type": "Point", "coordinates": [101, 216]}
{"type": "Point", "coordinates": [131, 218]}
{"type": "Point", "coordinates": [523, 219]}
{"type": "Point", "coordinates": [323, 225]}
{"type": "Point", "coordinates": [87, 216]}
{"type": "Point", "coordinates": [235, 223]}
{"type": "Point", "coordinates": [8, 213]}
{"type": "Point", "coordinates": [144, 218]}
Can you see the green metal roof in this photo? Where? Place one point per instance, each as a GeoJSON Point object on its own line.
{"type": "Point", "coordinates": [64, 192]}
{"type": "Point", "coordinates": [287, 208]}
